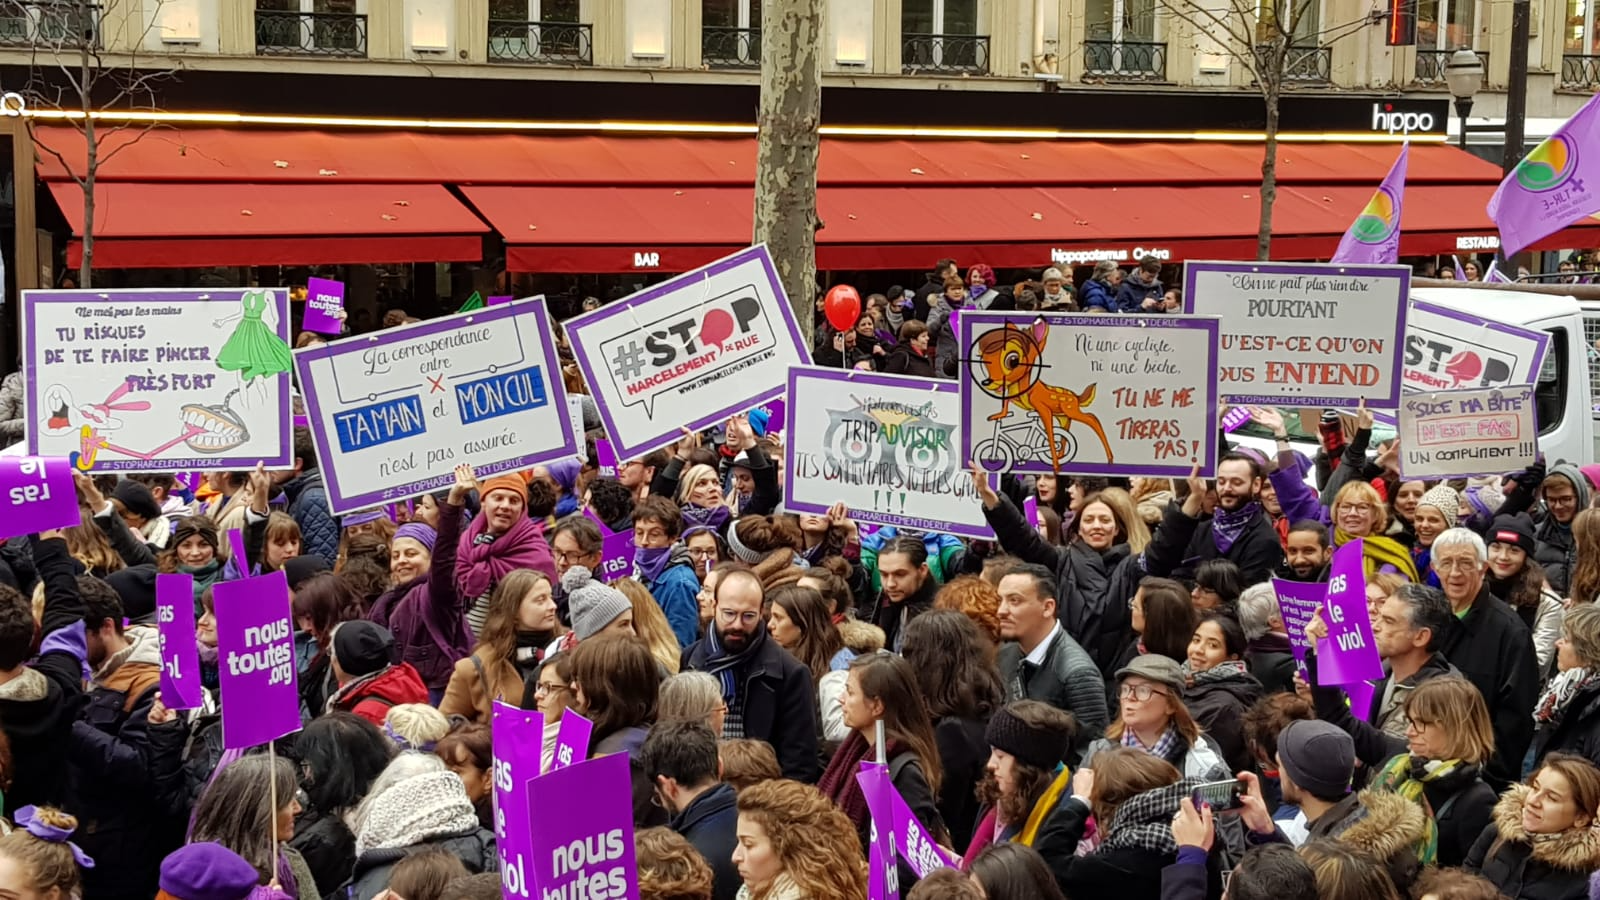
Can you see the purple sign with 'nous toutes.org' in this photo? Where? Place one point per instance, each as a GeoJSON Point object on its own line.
{"type": "Point", "coordinates": [886, 446]}
{"type": "Point", "coordinates": [393, 413]}
{"type": "Point", "coordinates": [180, 655]}
{"type": "Point", "coordinates": [324, 303]}
{"type": "Point", "coordinates": [255, 660]}
{"type": "Point", "coordinates": [692, 351]}
{"type": "Point", "coordinates": [1090, 395]}
{"type": "Point", "coordinates": [158, 380]}
{"type": "Point", "coordinates": [1348, 654]}
{"type": "Point", "coordinates": [517, 736]}
{"type": "Point", "coordinates": [36, 494]}
{"type": "Point", "coordinates": [587, 849]}
{"type": "Point", "coordinates": [1304, 334]}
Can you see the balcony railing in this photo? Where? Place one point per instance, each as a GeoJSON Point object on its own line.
{"type": "Point", "coordinates": [1580, 73]}
{"type": "Point", "coordinates": [310, 34]}
{"type": "Point", "coordinates": [964, 53]}
{"type": "Point", "coordinates": [49, 23]}
{"type": "Point", "coordinates": [730, 48]}
{"type": "Point", "coordinates": [1308, 65]}
{"type": "Point", "coordinates": [548, 43]}
{"type": "Point", "coordinates": [1431, 65]}
{"type": "Point", "coordinates": [1112, 60]}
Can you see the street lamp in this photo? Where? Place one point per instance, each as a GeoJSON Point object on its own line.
{"type": "Point", "coordinates": [1464, 75]}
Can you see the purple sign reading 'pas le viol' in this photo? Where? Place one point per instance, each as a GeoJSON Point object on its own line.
{"type": "Point", "coordinates": [36, 494]}
{"type": "Point", "coordinates": [255, 660]}
{"type": "Point", "coordinates": [180, 655]}
{"type": "Point", "coordinates": [1348, 654]}
{"type": "Point", "coordinates": [324, 305]}
{"type": "Point", "coordinates": [517, 737]}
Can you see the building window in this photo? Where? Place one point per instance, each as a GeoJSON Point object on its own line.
{"type": "Point", "coordinates": [939, 17]}
{"type": "Point", "coordinates": [539, 31]}
{"type": "Point", "coordinates": [1121, 20]}
{"type": "Point", "coordinates": [1446, 24]}
{"type": "Point", "coordinates": [310, 28]}
{"type": "Point", "coordinates": [942, 36]}
{"type": "Point", "coordinates": [1582, 37]}
{"type": "Point", "coordinates": [730, 34]}
{"type": "Point", "coordinates": [562, 11]}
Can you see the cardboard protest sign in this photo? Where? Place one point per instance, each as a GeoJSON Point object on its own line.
{"type": "Point", "coordinates": [393, 413]}
{"type": "Point", "coordinates": [36, 495]}
{"type": "Point", "coordinates": [1448, 350]}
{"type": "Point", "coordinates": [886, 446]}
{"type": "Point", "coordinates": [1091, 395]}
{"type": "Point", "coordinates": [1304, 333]}
{"type": "Point", "coordinates": [175, 633]}
{"type": "Point", "coordinates": [1298, 601]}
{"type": "Point", "coordinates": [255, 660]}
{"type": "Point", "coordinates": [324, 303]}
{"type": "Point", "coordinates": [587, 850]}
{"type": "Point", "coordinates": [692, 351]}
{"type": "Point", "coordinates": [572, 740]}
{"type": "Point", "coordinates": [158, 380]}
{"type": "Point", "coordinates": [1488, 431]}
{"type": "Point", "coordinates": [517, 736]}
{"type": "Point", "coordinates": [1348, 654]}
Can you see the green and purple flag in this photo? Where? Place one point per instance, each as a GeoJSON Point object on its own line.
{"type": "Point", "coordinates": [1551, 188]}
{"type": "Point", "coordinates": [1374, 237]}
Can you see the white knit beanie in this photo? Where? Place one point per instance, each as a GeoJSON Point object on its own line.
{"type": "Point", "coordinates": [415, 809]}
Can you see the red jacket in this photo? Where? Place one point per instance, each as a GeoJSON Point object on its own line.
{"type": "Point", "coordinates": [372, 697]}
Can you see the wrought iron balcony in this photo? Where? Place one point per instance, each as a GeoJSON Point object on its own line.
{"type": "Point", "coordinates": [1113, 60]}
{"type": "Point", "coordinates": [963, 53]}
{"type": "Point", "coordinates": [49, 23]}
{"type": "Point", "coordinates": [1431, 65]}
{"type": "Point", "coordinates": [1308, 65]}
{"type": "Point", "coordinates": [548, 43]}
{"type": "Point", "coordinates": [730, 48]}
{"type": "Point", "coordinates": [310, 34]}
{"type": "Point", "coordinates": [1579, 72]}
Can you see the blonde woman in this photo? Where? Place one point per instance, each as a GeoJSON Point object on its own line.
{"type": "Point", "coordinates": [1358, 512]}
{"type": "Point", "coordinates": [650, 623]}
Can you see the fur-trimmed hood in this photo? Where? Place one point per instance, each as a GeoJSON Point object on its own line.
{"type": "Point", "coordinates": [861, 637]}
{"type": "Point", "coordinates": [1385, 824]}
{"type": "Point", "coordinates": [1574, 851]}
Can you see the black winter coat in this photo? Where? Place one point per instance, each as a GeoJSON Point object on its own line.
{"type": "Point", "coordinates": [902, 360]}
{"type": "Point", "coordinates": [475, 849]}
{"type": "Point", "coordinates": [1067, 679]}
{"type": "Point", "coordinates": [1578, 731]}
{"type": "Point", "coordinates": [1462, 804]}
{"type": "Point", "coordinates": [777, 701]}
{"type": "Point", "coordinates": [1556, 869]}
{"type": "Point", "coordinates": [1093, 589]}
{"type": "Point", "coordinates": [1494, 650]}
{"type": "Point", "coordinates": [1180, 544]}
{"type": "Point", "coordinates": [710, 823]}
{"type": "Point", "coordinates": [327, 846]}
{"type": "Point", "coordinates": [1219, 707]}
{"type": "Point", "coordinates": [963, 759]}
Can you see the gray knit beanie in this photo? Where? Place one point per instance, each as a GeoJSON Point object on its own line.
{"type": "Point", "coordinates": [593, 605]}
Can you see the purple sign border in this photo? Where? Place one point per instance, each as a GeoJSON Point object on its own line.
{"type": "Point", "coordinates": [1192, 268]}
{"type": "Point", "coordinates": [591, 375]}
{"type": "Point", "coordinates": [338, 502]}
{"type": "Point", "coordinates": [974, 320]}
{"type": "Point", "coordinates": [853, 376]}
{"type": "Point", "coordinates": [283, 459]}
{"type": "Point", "coordinates": [1540, 337]}
{"type": "Point", "coordinates": [1532, 401]}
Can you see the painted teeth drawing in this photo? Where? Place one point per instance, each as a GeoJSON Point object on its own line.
{"type": "Point", "coordinates": [220, 427]}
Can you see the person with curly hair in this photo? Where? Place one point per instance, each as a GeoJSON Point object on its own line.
{"type": "Point", "coordinates": [789, 847]}
{"type": "Point", "coordinates": [669, 867]}
{"type": "Point", "coordinates": [975, 598]}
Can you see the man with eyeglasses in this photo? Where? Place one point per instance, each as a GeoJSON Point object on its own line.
{"type": "Point", "coordinates": [575, 541]}
{"type": "Point", "coordinates": [1565, 491]}
{"type": "Point", "coordinates": [1491, 646]}
{"type": "Point", "coordinates": [662, 564]}
{"type": "Point", "coordinates": [769, 693]}
{"type": "Point", "coordinates": [636, 474]}
{"type": "Point", "coordinates": [1040, 661]}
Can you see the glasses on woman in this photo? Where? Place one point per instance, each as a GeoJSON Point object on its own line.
{"type": "Point", "coordinates": [703, 552]}
{"type": "Point", "coordinates": [1139, 692]}
{"type": "Point", "coordinates": [546, 688]}
{"type": "Point", "coordinates": [1363, 508]}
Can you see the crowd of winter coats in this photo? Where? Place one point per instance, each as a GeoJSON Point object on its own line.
{"type": "Point", "coordinates": [1049, 704]}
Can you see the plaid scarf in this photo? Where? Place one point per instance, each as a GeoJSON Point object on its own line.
{"type": "Point", "coordinates": [1164, 746]}
{"type": "Point", "coordinates": [1227, 670]}
{"type": "Point", "coordinates": [1552, 706]}
{"type": "Point", "coordinates": [1145, 820]}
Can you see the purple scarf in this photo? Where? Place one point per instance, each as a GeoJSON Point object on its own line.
{"type": "Point", "coordinates": [716, 518]}
{"type": "Point", "coordinates": [1227, 526]}
{"type": "Point", "coordinates": [480, 566]}
{"type": "Point", "coordinates": [651, 562]}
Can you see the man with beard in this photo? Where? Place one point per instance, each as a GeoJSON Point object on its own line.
{"type": "Point", "coordinates": [1306, 552]}
{"type": "Point", "coordinates": [1239, 531]}
{"type": "Point", "coordinates": [769, 693]}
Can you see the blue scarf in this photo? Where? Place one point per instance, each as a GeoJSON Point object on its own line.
{"type": "Point", "coordinates": [722, 664]}
{"type": "Point", "coordinates": [1227, 526]}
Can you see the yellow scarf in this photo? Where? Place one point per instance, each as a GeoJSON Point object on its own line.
{"type": "Point", "coordinates": [1042, 809]}
{"type": "Point", "coordinates": [1378, 551]}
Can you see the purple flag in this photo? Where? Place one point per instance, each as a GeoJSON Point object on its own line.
{"type": "Point", "coordinates": [255, 660]}
{"type": "Point", "coordinates": [1493, 274]}
{"type": "Point", "coordinates": [1235, 419]}
{"type": "Point", "coordinates": [585, 850]}
{"type": "Point", "coordinates": [1461, 274]}
{"type": "Point", "coordinates": [324, 301]}
{"type": "Point", "coordinates": [36, 494]}
{"type": "Point", "coordinates": [908, 837]}
{"type": "Point", "coordinates": [1374, 237]}
{"type": "Point", "coordinates": [777, 415]}
{"type": "Point", "coordinates": [616, 556]}
{"type": "Point", "coordinates": [180, 656]}
{"type": "Point", "coordinates": [1549, 189]}
{"type": "Point", "coordinates": [572, 740]}
{"type": "Point", "coordinates": [883, 873]}
{"type": "Point", "coordinates": [1298, 601]}
{"type": "Point", "coordinates": [1030, 511]}
{"type": "Point", "coordinates": [1348, 654]}
{"type": "Point", "coordinates": [518, 736]}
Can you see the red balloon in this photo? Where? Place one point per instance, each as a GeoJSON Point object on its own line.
{"type": "Point", "coordinates": [842, 306]}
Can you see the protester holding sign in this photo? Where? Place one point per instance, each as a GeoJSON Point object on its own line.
{"type": "Point", "coordinates": [522, 623]}
{"type": "Point", "coordinates": [1238, 531]}
{"type": "Point", "coordinates": [503, 538]}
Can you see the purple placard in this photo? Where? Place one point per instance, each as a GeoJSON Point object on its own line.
{"type": "Point", "coordinates": [517, 736]}
{"type": "Point", "coordinates": [324, 303]}
{"type": "Point", "coordinates": [616, 550]}
{"type": "Point", "coordinates": [910, 837]}
{"type": "Point", "coordinates": [36, 494]}
{"type": "Point", "coordinates": [180, 655]}
{"type": "Point", "coordinates": [1348, 654]}
{"type": "Point", "coordinates": [255, 660]}
{"type": "Point", "coordinates": [1377, 309]}
{"type": "Point", "coordinates": [572, 740]}
{"type": "Point", "coordinates": [1360, 695]}
{"type": "Point", "coordinates": [505, 377]}
{"type": "Point", "coordinates": [153, 372]}
{"type": "Point", "coordinates": [1298, 601]}
{"type": "Point", "coordinates": [1173, 403]}
{"type": "Point", "coordinates": [711, 402]}
{"type": "Point", "coordinates": [605, 458]}
{"type": "Point", "coordinates": [587, 850]}
{"type": "Point", "coordinates": [777, 414]}
{"type": "Point", "coordinates": [856, 442]}
{"type": "Point", "coordinates": [497, 299]}
{"type": "Point", "coordinates": [883, 866]}
{"type": "Point", "coordinates": [1234, 419]}
{"type": "Point", "coordinates": [1030, 511]}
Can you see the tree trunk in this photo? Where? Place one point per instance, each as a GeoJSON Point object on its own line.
{"type": "Point", "coordinates": [91, 150]}
{"type": "Point", "coordinates": [786, 159]}
{"type": "Point", "coordinates": [1269, 165]}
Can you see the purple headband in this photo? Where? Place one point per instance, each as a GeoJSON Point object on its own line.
{"type": "Point", "coordinates": [404, 744]}
{"type": "Point", "coordinates": [28, 819]}
{"type": "Point", "coordinates": [420, 532]}
{"type": "Point", "coordinates": [365, 518]}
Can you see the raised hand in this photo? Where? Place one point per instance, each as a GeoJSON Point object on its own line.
{"type": "Point", "coordinates": [466, 483]}
{"type": "Point", "coordinates": [986, 494]}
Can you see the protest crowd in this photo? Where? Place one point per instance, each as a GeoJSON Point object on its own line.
{"type": "Point", "coordinates": [1104, 699]}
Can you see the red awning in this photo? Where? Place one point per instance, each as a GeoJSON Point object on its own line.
{"type": "Point", "coordinates": [141, 225]}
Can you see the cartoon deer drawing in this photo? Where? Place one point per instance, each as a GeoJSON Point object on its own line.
{"type": "Point", "coordinates": [1011, 362]}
